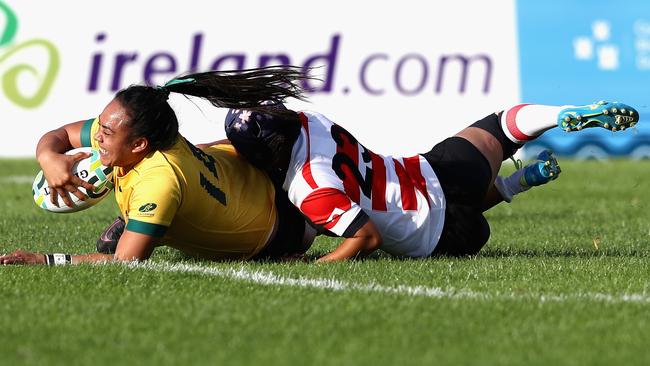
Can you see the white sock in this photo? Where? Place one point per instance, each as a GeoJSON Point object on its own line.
{"type": "Point", "coordinates": [511, 186]}
{"type": "Point", "coordinates": [525, 122]}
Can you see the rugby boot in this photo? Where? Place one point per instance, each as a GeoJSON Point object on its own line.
{"type": "Point", "coordinates": [612, 116]}
{"type": "Point", "coordinates": [542, 171]}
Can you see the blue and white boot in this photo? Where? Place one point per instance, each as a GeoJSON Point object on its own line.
{"type": "Point", "coordinates": [612, 116]}
{"type": "Point", "coordinates": [542, 171]}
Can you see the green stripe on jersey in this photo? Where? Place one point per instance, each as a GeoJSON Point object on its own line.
{"type": "Point", "coordinates": [146, 228]}
{"type": "Point", "coordinates": [86, 139]}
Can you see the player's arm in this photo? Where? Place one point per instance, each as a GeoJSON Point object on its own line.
{"type": "Point", "coordinates": [365, 241]}
{"type": "Point", "coordinates": [57, 167]}
{"type": "Point", "coordinates": [132, 246]}
{"type": "Point", "coordinates": [334, 212]}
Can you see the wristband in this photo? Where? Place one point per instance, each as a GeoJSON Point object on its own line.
{"type": "Point", "coordinates": [58, 259]}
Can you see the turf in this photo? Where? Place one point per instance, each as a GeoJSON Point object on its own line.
{"type": "Point", "coordinates": [563, 280]}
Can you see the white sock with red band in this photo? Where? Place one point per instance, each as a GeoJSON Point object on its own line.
{"type": "Point", "coordinates": [524, 122]}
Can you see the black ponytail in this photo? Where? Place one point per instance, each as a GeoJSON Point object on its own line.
{"type": "Point", "coordinates": [252, 89]}
{"type": "Point", "coordinates": [243, 89]}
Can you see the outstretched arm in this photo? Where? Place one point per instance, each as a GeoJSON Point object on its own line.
{"type": "Point", "coordinates": [132, 246]}
{"type": "Point", "coordinates": [365, 241]}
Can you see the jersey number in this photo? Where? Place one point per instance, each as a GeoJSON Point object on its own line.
{"type": "Point", "coordinates": [346, 166]}
{"type": "Point", "coordinates": [210, 164]}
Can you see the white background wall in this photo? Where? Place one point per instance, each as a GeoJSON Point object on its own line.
{"type": "Point", "coordinates": [390, 124]}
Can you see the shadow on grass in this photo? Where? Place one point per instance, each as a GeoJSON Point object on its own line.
{"type": "Point", "coordinates": [499, 252]}
{"type": "Point", "coordinates": [563, 252]}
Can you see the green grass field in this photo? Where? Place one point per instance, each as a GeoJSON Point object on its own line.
{"type": "Point", "coordinates": [563, 281]}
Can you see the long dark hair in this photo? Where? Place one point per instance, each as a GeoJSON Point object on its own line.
{"type": "Point", "coordinates": [152, 117]}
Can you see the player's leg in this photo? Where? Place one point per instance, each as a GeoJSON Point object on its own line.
{"type": "Point", "coordinates": [543, 170]}
{"type": "Point", "coordinates": [498, 136]}
{"type": "Point", "coordinates": [464, 174]}
{"type": "Point", "coordinates": [494, 137]}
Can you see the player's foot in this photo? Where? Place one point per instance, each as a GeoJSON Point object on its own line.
{"type": "Point", "coordinates": [612, 116]}
{"type": "Point", "coordinates": [107, 242]}
{"type": "Point", "coordinates": [542, 171]}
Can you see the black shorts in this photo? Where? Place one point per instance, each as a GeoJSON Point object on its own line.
{"type": "Point", "coordinates": [465, 176]}
{"type": "Point", "coordinates": [291, 229]}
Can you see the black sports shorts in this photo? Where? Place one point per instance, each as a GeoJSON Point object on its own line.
{"type": "Point", "coordinates": [465, 176]}
{"type": "Point", "coordinates": [291, 228]}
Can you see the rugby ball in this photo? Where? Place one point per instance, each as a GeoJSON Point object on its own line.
{"type": "Point", "coordinates": [89, 169]}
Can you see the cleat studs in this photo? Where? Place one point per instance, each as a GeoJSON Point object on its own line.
{"type": "Point", "coordinates": [551, 174]}
{"type": "Point", "coordinates": [631, 113]}
{"type": "Point", "coordinates": [622, 128]}
{"type": "Point", "coordinates": [623, 110]}
{"type": "Point", "coordinates": [579, 128]}
{"type": "Point", "coordinates": [606, 125]}
{"type": "Point", "coordinates": [614, 110]}
{"type": "Point", "coordinates": [579, 117]}
{"type": "Point", "coordinates": [567, 129]}
{"type": "Point", "coordinates": [567, 119]}
{"type": "Point", "coordinates": [613, 129]}
{"type": "Point", "coordinates": [605, 112]}
{"type": "Point", "coordinates": [632, 124]}
{"type": "Point", "coordinates": [547, 163]}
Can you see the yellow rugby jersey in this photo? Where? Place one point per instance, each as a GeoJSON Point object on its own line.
{"type": "Point", "coordinates": [211, 203]}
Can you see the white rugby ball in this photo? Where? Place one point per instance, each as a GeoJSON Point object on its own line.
{"type": "Point", "coordinates": [89, 169]}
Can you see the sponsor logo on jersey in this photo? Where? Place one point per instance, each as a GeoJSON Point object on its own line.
{"type": "Point", "coordinates": [148, 207]}
{"type": "Point", "coordinates": [146, 210]}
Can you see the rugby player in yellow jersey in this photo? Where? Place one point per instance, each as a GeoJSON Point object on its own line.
{"type": "Point", "coordinates": [207, 203]}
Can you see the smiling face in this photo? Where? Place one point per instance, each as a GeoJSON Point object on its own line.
{"type": "Point", "coordinates": [116, 146]}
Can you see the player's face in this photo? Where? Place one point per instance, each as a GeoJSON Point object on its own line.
{"type": "Point", "coordinates": [116, 147]}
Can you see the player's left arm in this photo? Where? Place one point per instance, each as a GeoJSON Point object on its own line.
{"type": "Point", "coordinates": [131, 247]}
{"type": "Point", "coordinates": [365, 241]}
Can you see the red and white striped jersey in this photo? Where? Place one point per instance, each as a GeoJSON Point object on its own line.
{"type": "Point", "coordinates": [332, 179]}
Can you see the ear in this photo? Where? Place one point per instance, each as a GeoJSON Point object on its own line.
{"type": "Point", "coordinates": [139, 145]}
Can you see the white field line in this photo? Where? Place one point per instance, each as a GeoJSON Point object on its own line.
{"type": "Point", "coordinates": [270, 279]}
{"type": "Point", "coordinates": [17, 179]}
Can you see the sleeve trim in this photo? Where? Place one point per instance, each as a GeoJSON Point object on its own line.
{"type": "Point", "coordinates": [360, 220]}
{"type": "Point", "coordinates": [146, 228]}
{"type": "Point", "coordinates": [86, 138]}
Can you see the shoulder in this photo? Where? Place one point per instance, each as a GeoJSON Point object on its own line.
{"type": "Point", "coordinates": [221, 149]}
{"type": "Point", "coordinates": [155, 171]}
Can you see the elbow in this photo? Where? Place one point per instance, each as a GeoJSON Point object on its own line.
{"type": "Point", "coordinates": [373, 243]}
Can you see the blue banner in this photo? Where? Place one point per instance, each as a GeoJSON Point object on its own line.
{"type": "Point", "coordinates": [580, 52]}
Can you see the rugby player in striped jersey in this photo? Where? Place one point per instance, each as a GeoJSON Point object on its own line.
{"type": "Point", "coordinates": [419, 206]}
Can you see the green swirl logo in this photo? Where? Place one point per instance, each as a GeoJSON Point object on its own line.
{"type": "Point", "coordinates": [10, 78]}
